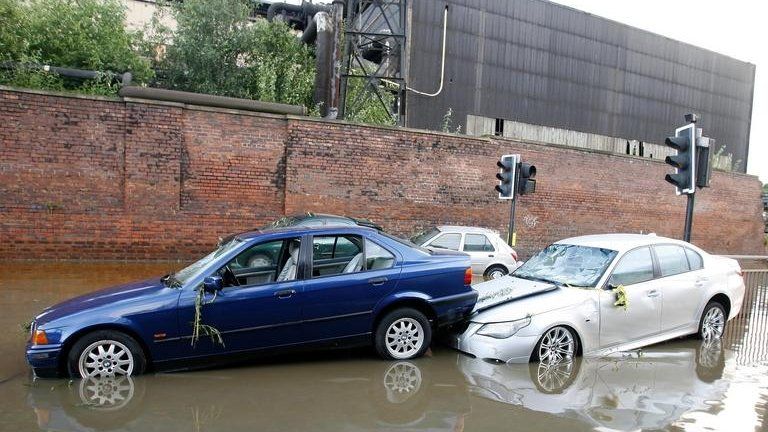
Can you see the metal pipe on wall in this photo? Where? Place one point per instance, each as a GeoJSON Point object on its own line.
{"type": "Point", "coordinates": [210, 100]}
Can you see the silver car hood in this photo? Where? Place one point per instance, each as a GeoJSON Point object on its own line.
{"type": "Point", "coordinates": [510, 298]}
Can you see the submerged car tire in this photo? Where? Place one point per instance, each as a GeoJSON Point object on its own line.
{"type": "Point", "coordinates": [557, 344]}
{"type": "Point", "coordinates": [105, 353]}
{"type": "Point", "coordinates": [712, 322]}
{"type": "Point", "coordinates": [495, 272]}
{"type": "Point", "coordinates": [403, 334]}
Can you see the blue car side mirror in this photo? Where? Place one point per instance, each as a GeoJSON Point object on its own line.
{"type": "Point", "coordinates": [212, 284]}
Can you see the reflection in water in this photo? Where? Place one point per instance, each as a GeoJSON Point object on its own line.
{"type": "Point", "coordinates": [335, 395]}
{"type": "Point", "coordinates": [679, 385]}
{"type": "Point", "coordinates": [639, 390]}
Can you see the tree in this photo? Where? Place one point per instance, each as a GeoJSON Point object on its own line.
{"type": "Point", "coordinates": [13, 30]}
{"type": "Point", "coordinates": [216, 49]}
{"type": "Point", "coordinates": [82, 34]}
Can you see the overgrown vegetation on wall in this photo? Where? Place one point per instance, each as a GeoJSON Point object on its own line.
{"type": "Point", "coordinates": [82, 34]}
{"type": "Point", "coordinates": [214, 49]}
{"type": "Point", "coordinates": [217, 49]}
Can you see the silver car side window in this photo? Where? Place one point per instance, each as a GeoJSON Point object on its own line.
{"type": "Point", "coordinates": [447, 241]}
{"type": "Point", "coordinates": [672, 259]}
{"type": "Point", "coordinates": [635, 266]}
{"type": "Point", "coordinates": [477, 243]}
{"type": "Point", "coordinates": [694, 259]}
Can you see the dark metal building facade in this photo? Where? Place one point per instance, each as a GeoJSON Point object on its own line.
{"type": "Point", "coordinates": [543, 63]}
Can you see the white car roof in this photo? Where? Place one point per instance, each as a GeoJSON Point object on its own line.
{"type": "Point", "coordinates": [621, 242]}
{"type": "Point", "coordinates": [465, 229]}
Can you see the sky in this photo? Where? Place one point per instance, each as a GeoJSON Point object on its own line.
{"type": "Point", "coordinates": [736, 28]}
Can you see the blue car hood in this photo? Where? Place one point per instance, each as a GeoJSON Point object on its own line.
{"type": "Point", "coordinates": [119, 293]}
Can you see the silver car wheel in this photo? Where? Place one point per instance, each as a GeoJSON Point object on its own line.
{"type": "Point", "coordinates": [105, 358]}
{"type": "Point", "coordinates": [496, 273]}
{"type": "Point", "coordinates": [557, 345]}
{"type": "Point", "coordinates": [713, 323]}
{"type": "Point", "coordinates": [554, 377]}
{"type": "Point", "coordinates": [404, 338]}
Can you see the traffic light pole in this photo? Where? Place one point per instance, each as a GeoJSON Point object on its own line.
{"type": "Point", "coordinates": [512, 239]}
{"type": "Point", "coordinates": [688, 218]}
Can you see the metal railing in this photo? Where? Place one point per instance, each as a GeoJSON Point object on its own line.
{"type": "Point", "coordinates": [747, 333]}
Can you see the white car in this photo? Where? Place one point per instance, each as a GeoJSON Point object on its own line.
{"type": "Point", "coordinates": [491, 256]}
{"type": "Point", "coordinates": [569, 299]}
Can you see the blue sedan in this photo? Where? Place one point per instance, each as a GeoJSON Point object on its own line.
{"type": "Point", "coordinates": [260, 292]}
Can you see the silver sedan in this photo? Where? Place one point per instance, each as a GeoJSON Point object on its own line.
{"type": "Point", "coordinates": [595, 295]}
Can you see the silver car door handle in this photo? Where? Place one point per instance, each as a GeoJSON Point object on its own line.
{"type": "Point", "coordinates": [652, 293]}
{"type": "Point", "coordinates": [490, 256]}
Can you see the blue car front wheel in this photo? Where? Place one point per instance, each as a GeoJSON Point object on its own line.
{"type": "Point", "coordinates": [105, 353]}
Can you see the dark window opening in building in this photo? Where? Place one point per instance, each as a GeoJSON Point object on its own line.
{"type": "Point", "coordinates": [498, 128]}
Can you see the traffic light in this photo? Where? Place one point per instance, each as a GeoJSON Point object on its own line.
{"type": "Point", "coordinates": [527, 183]}
{"type": "Point", "coordinates": [703, 163]}
{"type": "Point", "coordinates": [506, 175]}
{"type": "Point", "coordinates": [684, 161]}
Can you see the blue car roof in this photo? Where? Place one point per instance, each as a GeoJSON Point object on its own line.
{"type": "Point", "coordinates": [352, 229]}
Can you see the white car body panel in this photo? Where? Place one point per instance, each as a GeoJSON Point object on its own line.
{"type": "Point", "coordinates": [601, 327]}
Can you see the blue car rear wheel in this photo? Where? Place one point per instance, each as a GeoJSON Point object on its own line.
{"type": "Point", "coordinates": [403, 334]}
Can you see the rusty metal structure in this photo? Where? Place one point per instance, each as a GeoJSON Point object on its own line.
{"type": "Point", "coordinates": [373, 60]}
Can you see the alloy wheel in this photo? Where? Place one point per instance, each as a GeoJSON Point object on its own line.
{"type": "Point", "coordinates": [713, 324]}
{"type": "Point", "coordinates": [401, 381]}
{"type": "Point", "coordinates": [404, 338]}
{"type": "Point", "coordinates": [496, 273]}
{"type": "Point", "coordinates": [557, 345]}
{"type": "Point", "coordinates": [106, 393]}
{"type": "Point", "coordinates": [554, 377]}
{"type": "Point", "coordinates": [105, 358]}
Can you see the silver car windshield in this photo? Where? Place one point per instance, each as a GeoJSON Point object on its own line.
{"type": "Point", "coordinates": [193, 270]}
{"type": "Point", "coordinates": [565, 264]}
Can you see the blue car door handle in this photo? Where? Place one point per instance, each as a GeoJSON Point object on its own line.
{"type": "Point", "coordinates": [377, 281]}
{"type": "Point", "coordinates": [282, 294]}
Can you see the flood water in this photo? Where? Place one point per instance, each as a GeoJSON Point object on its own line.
{"type": "Point", "coordinates": [680, 385]}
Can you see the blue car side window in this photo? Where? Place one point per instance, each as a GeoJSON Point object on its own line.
{"type": "Point", "coordinates": [376, 257]}
{"type": "Point", "coordinates": [262, 263]}
{"type": "Point", "coordinates": [336, 254]}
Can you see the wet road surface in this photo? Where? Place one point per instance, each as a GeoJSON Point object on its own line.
{"type": "Point", "coordinates": [679, 385]}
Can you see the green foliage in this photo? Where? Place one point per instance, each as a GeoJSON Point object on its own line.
{"type": "Point", "coordinates": [85, 34]}
{"type": "Point", "coordinates": [447, 125]}
{"type": "Point", "coordinates": [13, 30]}
{"type": "Point", "coordinates": [363, 106]}
{"type": "Point", "coordinates": [765, 188]}
{"type": "Point", "coordinates": [82, 34]}
{"type": "Point", "coordinates": [282, 68]}
{"type": "Point", "coordinates": [216, 49]}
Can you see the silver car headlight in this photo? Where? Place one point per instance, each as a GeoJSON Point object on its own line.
{"type": "Point", "coordinates": [503, 330]}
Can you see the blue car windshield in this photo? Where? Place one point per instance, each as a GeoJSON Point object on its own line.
{"type": "Point", "coordinates": [193, 270]}
{"type": "Point", "coordinates": [564, 264]}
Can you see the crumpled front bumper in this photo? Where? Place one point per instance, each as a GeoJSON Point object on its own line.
{"type": "Point", "coordinates": [514, 349]}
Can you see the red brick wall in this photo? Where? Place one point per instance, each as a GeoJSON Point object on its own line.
{"type": "Point", "coordinates": [111, 179]}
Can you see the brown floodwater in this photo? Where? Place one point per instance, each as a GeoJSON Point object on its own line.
{"type": "Point", "coordinates": [679, 385]}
